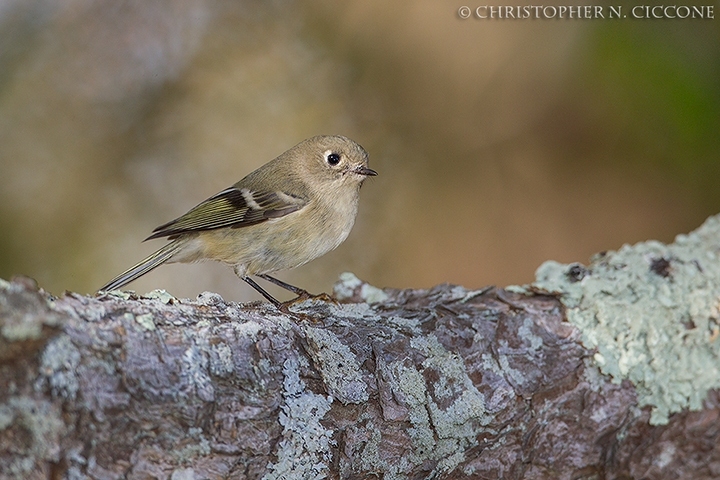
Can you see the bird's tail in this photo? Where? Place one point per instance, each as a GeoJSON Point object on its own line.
{"type": "Point", "coordinates": [144, 266]}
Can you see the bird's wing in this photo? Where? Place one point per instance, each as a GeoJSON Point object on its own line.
{"type": "Point", "coordinates": [233, 207]}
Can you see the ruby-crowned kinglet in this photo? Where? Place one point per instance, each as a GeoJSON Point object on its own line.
{"type": "Point", "coordinates": [291, 210]}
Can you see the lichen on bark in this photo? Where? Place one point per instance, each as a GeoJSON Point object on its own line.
{"type": "Point", "coordinates": [439, 383]}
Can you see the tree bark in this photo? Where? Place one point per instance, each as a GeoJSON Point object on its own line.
{"type": "Point", "coordinates": [441, 383]}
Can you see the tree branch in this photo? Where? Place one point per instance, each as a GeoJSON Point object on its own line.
{"type": "Point", "coordinates": [604, 371]}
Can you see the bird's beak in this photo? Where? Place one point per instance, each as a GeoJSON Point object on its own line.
{"type": "Point", "coordinates": [368, 172]}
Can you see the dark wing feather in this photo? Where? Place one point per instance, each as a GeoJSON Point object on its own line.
{"type": "Point", "coordinates": [233, 208]}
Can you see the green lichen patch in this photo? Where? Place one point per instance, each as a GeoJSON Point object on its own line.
{"type": "Point", "coordinates": [145, 320]}
{"type": "Point", "coordinates": [456, 406]}
{"type": "Point", "coordinates": [305, 449]}
{"type": "Point", "coordinates": [347, 285]}
{"type": "Point", "coordinates": [337, 365]}
{"type": "Point", "coordinates": [31, 429]}
{"type": "Point", "coordinates": [440, 403]}
{"type": "Point", "coordinates": [24, 313]}
{"type": "Point", "coordinates": [58, 367]}
{"type": "Point", "coordinates": [160, 295]}
{"type": "Point", "coordinates": [651, 312]}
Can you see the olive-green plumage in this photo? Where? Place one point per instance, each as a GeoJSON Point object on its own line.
{"type": "Point", "coordinates": [286, 213]}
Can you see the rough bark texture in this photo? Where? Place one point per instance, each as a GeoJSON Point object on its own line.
{"type": "Point", "coordinates": [440, 383]}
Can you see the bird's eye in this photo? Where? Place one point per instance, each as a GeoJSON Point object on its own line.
{"type": "Point", "coordinates": [333, 159]}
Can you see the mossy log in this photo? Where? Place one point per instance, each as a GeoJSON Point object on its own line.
{"type": "Point", "coordinates": [442, 383]}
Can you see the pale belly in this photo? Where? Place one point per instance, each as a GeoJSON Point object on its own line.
{"type": "Point", "coordinates": [277, 244]}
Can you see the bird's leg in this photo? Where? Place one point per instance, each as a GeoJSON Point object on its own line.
{"type": "Point", "coordinates": [301, 294]}
{"type": "Point", "coordinates": [296, 290]}
{"type": "Point", "coordinates": [278, 304]}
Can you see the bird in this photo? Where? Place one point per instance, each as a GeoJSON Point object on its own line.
{"type": "Point", "coordinates": [292, 210]}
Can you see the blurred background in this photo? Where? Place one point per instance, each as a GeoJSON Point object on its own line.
{"type": "Point", "coordinates": [499, 143]}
